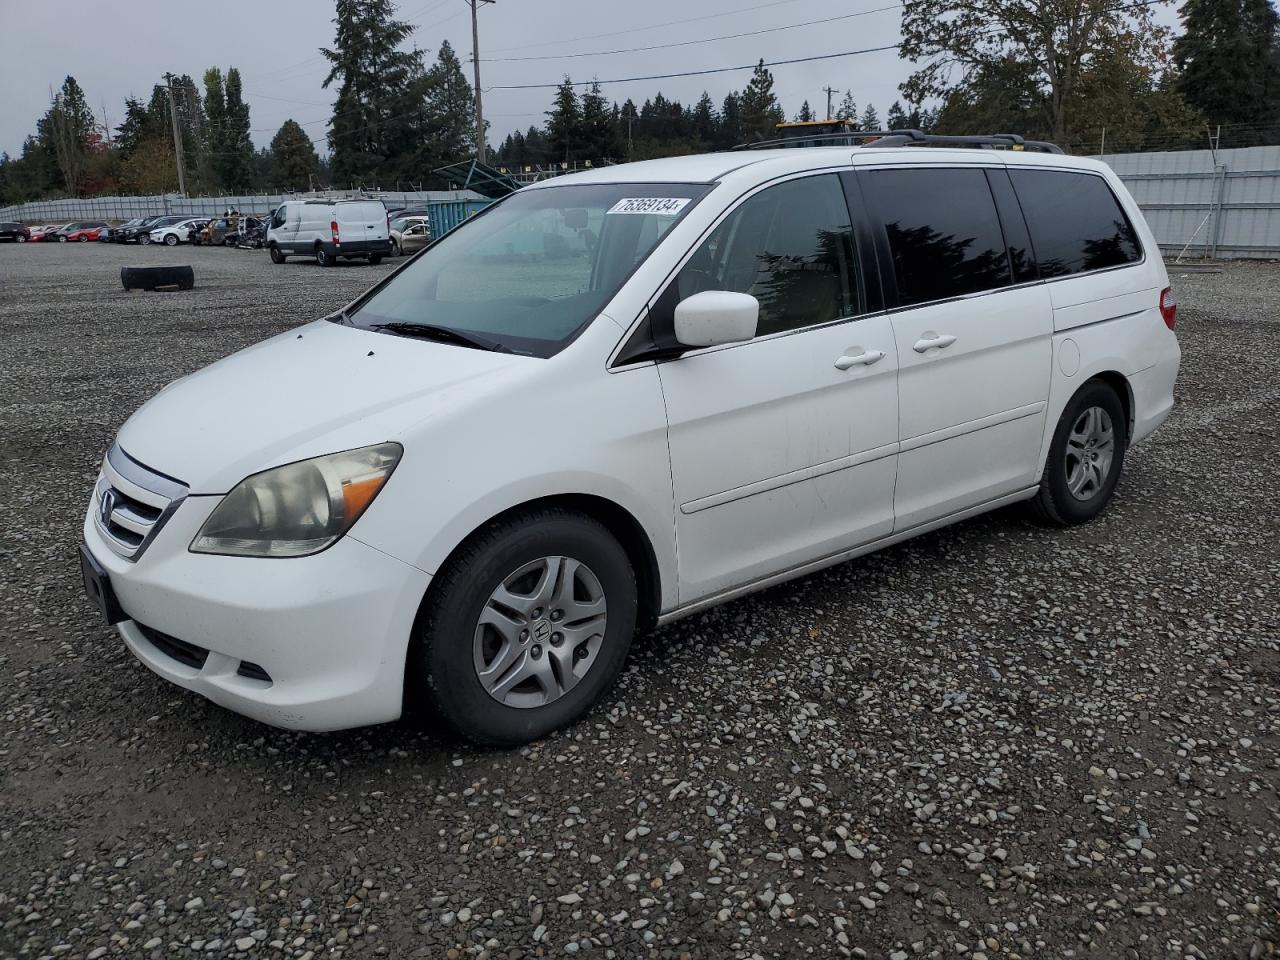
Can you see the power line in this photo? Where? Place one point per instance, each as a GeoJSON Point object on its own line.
{"type": "Point", "coordinates": [693, 73]}
{"type": "Point", "coordinates": [687, 43]}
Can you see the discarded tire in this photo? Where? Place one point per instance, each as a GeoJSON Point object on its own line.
{"type": "Point", "coordinates": [156, 278]}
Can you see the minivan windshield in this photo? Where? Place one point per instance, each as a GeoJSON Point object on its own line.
{"type": "Point", "coordinates": [530, 272]}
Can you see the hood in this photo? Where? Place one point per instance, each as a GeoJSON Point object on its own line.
{"type": "Point", "coordinates": [315, 390]}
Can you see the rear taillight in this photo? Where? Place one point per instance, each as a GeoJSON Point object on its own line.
{"type": "Point", "coordinates": [1168, 307]}
{"type": "Point", "coordinates": [333, 232]}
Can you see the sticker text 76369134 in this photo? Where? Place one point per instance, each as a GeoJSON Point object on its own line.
{"type": "Point", "coordinates": [662, 206]}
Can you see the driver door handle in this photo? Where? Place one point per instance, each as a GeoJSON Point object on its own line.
{"type": "Point", "coordinates": [930, 340]}
{"type": "Point", "coordinates": [866, 358]}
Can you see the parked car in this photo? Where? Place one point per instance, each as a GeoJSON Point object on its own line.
{"type": "Point", "coordinates": [329, 230]}
{"type": "Point", "coordinates": [173, 234]}
{"type": "Point", "coordinates": [80, 232]}
{"type": "Point", "coordinates": [116, 234]}
{"type": "Point", "coordinates": [409, 235]}
{"type": "Point", "coordinates": [777, 360]}
{"type": "Point", "coordinates": [198, 231]}
{"type": "Point", "coordinates": [142, 232]}
{"type": "Point", "coordinates": [40, 234]}
{"type": "Point", "coordinates": [252, 234]}
{"type": "Point", "coordinates": [17, 232]}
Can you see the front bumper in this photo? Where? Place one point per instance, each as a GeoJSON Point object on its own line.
{"type": "Point", "coordinates": [331, 630]}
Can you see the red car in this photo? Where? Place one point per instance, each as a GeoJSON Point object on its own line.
{"type": "Point", "coordinates": [83, 232]}
{"type": "Point", "coordinates": [46, 234]}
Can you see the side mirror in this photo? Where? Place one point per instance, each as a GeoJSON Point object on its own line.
{"type": "Point", "coordinates": [714, 317]}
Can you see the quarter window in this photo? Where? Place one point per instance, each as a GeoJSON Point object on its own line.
{"type": "Point", "coordinates": [944, 234]}
{"type": "Point", "coordinates": [791, 247]}
{"type": "Point", "coordinates": [1076, 223]}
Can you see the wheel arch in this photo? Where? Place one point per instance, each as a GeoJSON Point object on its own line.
{"type": "Point", "coordinates": [621, 523]}
{"type": "Point", "coordinates": [1118, 382]}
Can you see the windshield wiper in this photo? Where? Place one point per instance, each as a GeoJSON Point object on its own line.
{"type": "Point", "coordinates": [429, 331]}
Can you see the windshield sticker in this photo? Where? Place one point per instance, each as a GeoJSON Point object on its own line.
{"type": "Point", "coordinates": [662, 206]}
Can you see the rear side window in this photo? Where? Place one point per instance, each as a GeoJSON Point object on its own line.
{"type": "Point", "coordinates": [1076, 222]}
{"type": "Point", "coordinates": [944, 234]}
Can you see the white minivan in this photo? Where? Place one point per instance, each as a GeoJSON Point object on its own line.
{"type": "Point", "coordinates": [619, 397]}
{"type": "Point", "coordinates": [329, 231]}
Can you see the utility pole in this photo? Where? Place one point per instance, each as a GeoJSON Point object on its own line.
{"type": "Point", "coordinates": [475, 62]}
{"type": "Point", "coordinates": [177, 136]}
{"type": "Point", "coordinates": [829, 91]}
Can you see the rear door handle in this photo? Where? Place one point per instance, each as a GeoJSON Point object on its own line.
{"type": "Point", "coordinates": [929, 340]}
{"type": "Point", "coordinates": [865, 358]}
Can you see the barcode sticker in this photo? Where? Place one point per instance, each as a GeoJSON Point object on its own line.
{"type": "Point", "coordinates": [662, 206]}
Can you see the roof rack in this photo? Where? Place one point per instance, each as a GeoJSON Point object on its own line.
{"type": "Point", "coordinates": [907, 138]}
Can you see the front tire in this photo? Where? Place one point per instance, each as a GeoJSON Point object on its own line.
{"type": "Point", "coordinates": [525, 627]}
{"type": "Point", "coordinates": [1085, 457]}
{"type": "Point", "coordinates": [276, 255]}
{"type": "Point", "coordinates": [375, 259]}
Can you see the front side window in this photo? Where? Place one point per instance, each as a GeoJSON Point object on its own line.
{"type": "Point", "coordinates": [1076, 223]}
{"type": "Point", "coordinates": [944, 234]}
{"type": "Point", "coordinates": [791, 247]}
{"type": "Point", "coordinates": [531, 271]}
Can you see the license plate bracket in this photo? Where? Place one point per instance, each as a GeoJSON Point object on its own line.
{"type": "Point", "coordinates": [97, 586]}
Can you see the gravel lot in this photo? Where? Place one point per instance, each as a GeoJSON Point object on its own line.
{"type": "Point", "coordinates": [994, 741]}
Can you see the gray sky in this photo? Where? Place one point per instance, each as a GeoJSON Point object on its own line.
{"type": "Point", "coordinates": [122, 48]}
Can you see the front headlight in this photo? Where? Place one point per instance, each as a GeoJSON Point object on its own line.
{"type": "Point", "coordinates": [297, 509]}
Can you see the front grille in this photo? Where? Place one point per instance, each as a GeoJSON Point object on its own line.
{"type": "Point", "coordinates": [131, 502]}
{"type": "Point", "coordinates": [185, 653]}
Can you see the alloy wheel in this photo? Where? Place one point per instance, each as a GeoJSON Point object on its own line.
{"type": "Point", "coordinates": [540, 632]}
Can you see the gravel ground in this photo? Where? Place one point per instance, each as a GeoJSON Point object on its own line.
{"type": "Point", "coordinates": [994, 741]}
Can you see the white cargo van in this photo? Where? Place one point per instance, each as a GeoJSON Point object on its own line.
{"type": "Point", "coordinates": [329, 230]}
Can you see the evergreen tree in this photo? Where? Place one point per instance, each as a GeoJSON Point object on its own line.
{"type": "Point", "coordinates": [760, 110]}
{"type": "Point", "coordinates": [896, 118]}
{"type": "Point", "coordinates": [564, 122]}
{"type": "Point", "coordinates": [294, 163]}
{"type": "Point", "coordinates": [599, 132]}
{"type": "Point", "coordinates": [806, 113]}
{"type": "Point", "coordinates": [450, 109]}
{"type": "Point", "coordinates": [705, 120]}
{"type": "Point", "coordinates": [1229, 60]}
{"type": "Point", "coordinates": [870, 119]}
{"type": "Point", "coordinates": [731, 132]}
{"type": "Point", "coordinates": [848, 109]}
{"type": "Point", "coordinates": [235, 166]}
{"type": "Point", "coordinates": [64, 132]}
{"type": "Point", "coordinates": [379, 113]}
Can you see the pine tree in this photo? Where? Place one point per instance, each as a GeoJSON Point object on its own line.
{"type": "Point", "coordinates": [730, 121]}
{"type": "Point", "coordinates": [705, 120]}
{"type": "Point", "coordinates": [599, 132]}
{"type": "Point", "coordinates": [236, 168]}
{"type": "Point", "coordinates": [379, 112]}
{"type": "Point", "coordinates": [760, 110]}
{"type": "Point", "coordinates": [294, 163]}
{"type": "Point", "coordinates": [806, 113]}
{"type": "Point", "coordinates": [896, 118]}
{"type": "Point", "coordinates": [848, 109]}
{"type": "Point", "coordinates": [564, 122]}
{"type": "Point", "coordinates": [870, 120]}
{"type": "Point", "coordinates": [451, 110]}
{"type": "Point", "coordinates": [1228, 60]}
{"type": "Point", "coordinates": [64, 133]}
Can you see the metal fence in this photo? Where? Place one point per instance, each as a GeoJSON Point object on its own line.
{"type": "Point", "coordinates": [1223, 203]}
{"type": "Point", "coordinates": [126, 208]}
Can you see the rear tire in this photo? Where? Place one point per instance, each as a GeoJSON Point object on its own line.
{"type": "Point", "coordinates": [594, 606]}
{"type": "Point", "coordinates": [1085, 458]}
{"type": "Point", "coordinates": [323, 257]}
{"type": "Point", "coordinates": [83, 238]}
{"type": "Point", "coordinates": [171, 240]}
{"type": "Point", "coordinates": [375, 259]}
